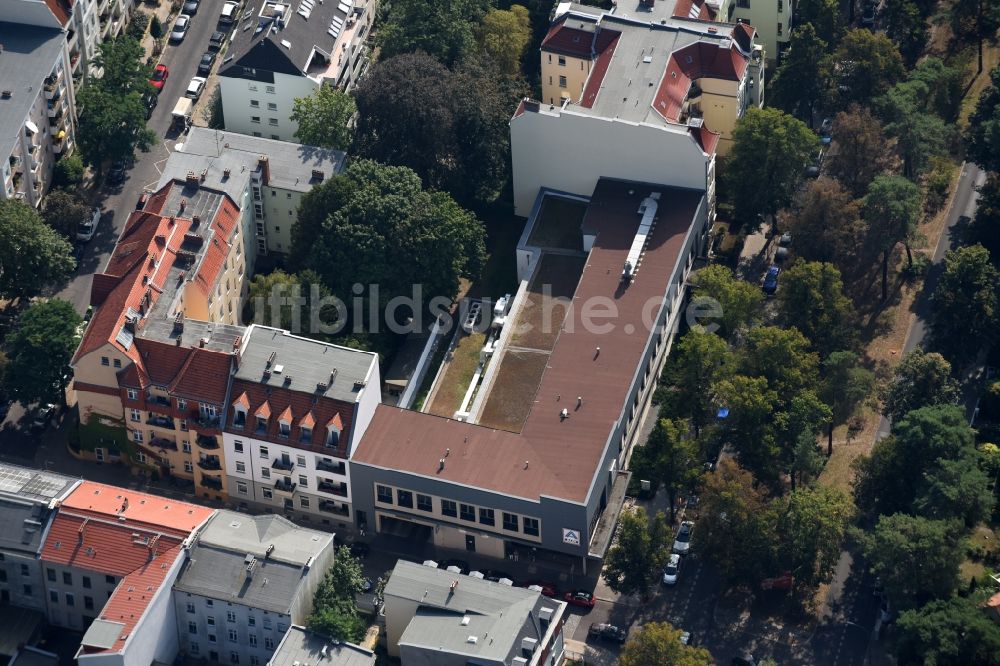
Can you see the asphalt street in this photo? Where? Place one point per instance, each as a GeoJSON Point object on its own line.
{"type": "Point", "coordinates": [117, 202]}
{"type": "Point", "coordinates": [962, 209]}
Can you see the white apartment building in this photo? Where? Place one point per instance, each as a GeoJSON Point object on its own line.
{"type": "Point", "coordinates": [297, 410]}
{"type": "Point", "coordinates": [247, 580]}
{"type": "Point", "coordinates": [278, 184]}
{"type": "Point", "coordinates": [286, 50]}
{"type": "Point", "coordinates": [37, 104]}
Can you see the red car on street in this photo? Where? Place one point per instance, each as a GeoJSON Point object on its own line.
{"type": "Point", "coordinates": [159, 77]}
{"type": "Point", "coordinates": [548, 589]}
{"type": "Point", "coordinates": [580, 598]}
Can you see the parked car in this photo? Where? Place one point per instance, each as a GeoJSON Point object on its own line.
{"type": "Point", "coordinates": [816, 166]}
{"type": "Point", "coordinates": [230, 12]}
{"type": "Point", "coordinates": [495, 575]}
{"type": "Point", "coordinates": [548, 589]}
{"type": "Point", "coordinates": [786, 239]}
{"type": "Point", "coordinates": [180, 28]}
{"type": "Point", "coordinates": [682, 542]}
{"type": "Point", "coordinates": [367, 585]}
{"type": "Point", "coordinates": [117, 174]}
{"type": "Point", "coordinates": [207, 60]}
{"type": "Point", "coordinates": [195, 87]}
{"type": "Point", "coordinates": [191, 7]}
{"type": "Point", "coordinates": [672, 570]}
{"type": "Point", "coordinates": [580, 598]}
{"type": "Point", "coordinates": [869, 14]}
{"type": "Point", "coordinates": [216, 40]}
{"type": "Point", "coordinates": [78, 249]}
{"type": "Point", "coordinates": [685, 638]}
{"type": "Point", "coordinates": [42, 417]}
{"type": "Point", "coordinates": [160, 75]}
{"type": "Point", "coordinates": [87, 227]}
{"type": "Point", "coordinates": [825, 128]}
{"type": "Point", "coordinates": [771, 280]}
{"type": "Point", "coordinates": [462, 565]}
{"type": "Point", "coordinates": [140, 203]}
{"type": "Point", "coordinates": [607, 632]}
{"type": "Point", "coordinates": [150, 101]}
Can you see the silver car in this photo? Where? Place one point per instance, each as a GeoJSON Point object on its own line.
{"type": "Point", "coordinates": [180, 28]}
{"type": "Point", "coordinates": [682, 542]}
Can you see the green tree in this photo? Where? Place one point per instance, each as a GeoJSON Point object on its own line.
{"type": "Point", "coordinates": [32, 256]}
{"type": "Point", "coordinates": [929, 466]}
{"type": "Point", "coordinates": [697, 362]}
{"type": "Point", "coordinates": [862, 153]}
{"type": "Point", "coordinates": [920, 135]}
{"type": "Point", "coordinates": [736, 530]}
{"type": "Point", "coordinates": [948, 631]}
{"type": "Point", "coordinates": [965, 301]}
{"type": "Point", "coordinates": [444, 29]}
{"type": "Point", "coordinates": [904, 24]}
{"type": "Point", "coordinates": [449, 127]}
{"type": "Point", "coordinates": [335, 613]}
{"type": "Point", "coordinates": [767, 162]}
{"type": "Point", "coordinates": [504, 35]}
{"type": "Point", "coordinates": [783, 357]}
{"type": "Point", "coordinates": [845, 385]}
{"type": "Point", "coordinates": [892, 210]}
{"type": "Point", "coordinates": [916, 558]}
{"type": "Point", "coordinates": [982, 139]}
{"type": "Point", "coordinates": [945, 83]}
{"type": "Point", "coordinates": [112, 121]}
{"type": "Point", "coordinates": [812, 300]}
{"type": "Point", "coordinates": [804, 416]}
{"type": "Point", "coordinates": [868, 63]}
{"type": "Point", "coordinates": [739, 302]}
{"type": "Point", "coordinates": [812, 524]}
{"type": "Point", "coordinates": [826, 224]}
{"type": "Point", "coordinates": [749, 425]}
{"type": "Point", "coordinates": [922, 379]}
{"type": "Point", "coordinates": [64, 211]}
{"type": "Point", "coordinates": [670, 458]}
{"type": "Point", "coordinates": [798, 87]}
{"type": "Point", "coordinates": [155, 27]}
{"type": "Point", "coordinates": [39, 351]}
{"type": "Point", "coordinates": [216, 116]}
{"type": "Point", "coordinates": [986, 226]}
{"type": "Point", "coordinates": [68, 172]}
{"type": "Point", "coordinates": [807, 460]}
{"type": "Point", "coordinates": [290, 301]}
{"type": "Point", "coordinates": [633, 564]}
{"type": "Point", "coordinates": [375, 225]}
{"type": "Point", "coordinates": [660, 643]}
{"type": "Point", "coordinates": [824, 16]}
{"type": "Point", "coordinates": [324, 118]}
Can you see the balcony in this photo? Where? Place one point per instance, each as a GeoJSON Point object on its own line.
{"type": "Point", "coordinates": [326, 506]}
{"type": "Point", "coordinates": [211, 482]}
{"type": "Point", "coordinates": [207, 421]}
{"type": "Point", "coordinates": [338, 489]}
{"type": "Point", "coordinates": [283, 465]}
{"type": "Point", "coordinates": [335, 468]}
{"type": "Point", "coordinates": [160, 422]}
{"type": "Point", "coordinates": [210, 464]}
{"type": "Point", "coordinates": [163, 443]}
{"type": "Point", "coordinates": [161, 400]}
{"type": "Point", "coordinates": [207, 441]}
{"type": "Point", "coordinates": [284, 486]}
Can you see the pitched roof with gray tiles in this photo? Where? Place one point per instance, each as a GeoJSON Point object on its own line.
{"type": "Point", "coordinates": [231, 542]}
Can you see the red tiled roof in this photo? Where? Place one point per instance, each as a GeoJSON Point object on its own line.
{"type": "Point", "coordinates": [696, 9]}
{"type": "Point", "coordinates": [308, 421]}
{"type": "Point", "coordinates": [144, 510]}
{"type": "Point", "coordinates": [554, 456]}
{"type": "Point", "coordinates": [280, 399]}
{"type": "Point", "coordinates": [567, 40]}
{"type": "Point", "coordinates": [135, 591]}
{"type": "Point", "coordinates": [744, 33]}
{"type": "Point", "coordinates": [706, 138]}
{"type": "Point", "coordinates": [224, 224]}
{"type": "Point", "coordinates": [286, 415]}
{"type": "Point", "coordinates": [264, 411]}
{"type": "Point", "coordinates": [605, 44]}
{"type": "Point", "coordinates": [695, 61]}
{"type": "Point", "coordinates": [60, 10]}
{"type": "Point", "coordinates": [205, 377]}
{"type": "Point", "coordinates": [242, 400]}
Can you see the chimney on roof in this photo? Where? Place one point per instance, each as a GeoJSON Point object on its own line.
{"type": "Point", "coordinates": [441, 465]}
{"type": "Point", "coordinates": [191, 179]}
{"type": "Point", "coordinates": [225, 174]}
{"type": "Point", "coordinates": [171, 221]}
{"type": "Point", "coordinates": [265, 169]}
{"type": "Point", "coordinates": [647, 3]}
{"type": "Point", "coordinates": [202, 342]}
{"type": "Point", "coordinates": [184, 203]}
{"type": "Point", "coordinates": [204, 175]}
{"type": "Point", "coordinates": [318, 175]}
{"type": "Point", "coordinates": [195, 221]}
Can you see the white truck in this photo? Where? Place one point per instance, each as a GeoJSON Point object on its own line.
{"type": "Point", "coordinates": [182, 113]}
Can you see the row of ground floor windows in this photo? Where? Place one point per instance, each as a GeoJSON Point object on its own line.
{"type": "Point", "coordinates": [452, 509]}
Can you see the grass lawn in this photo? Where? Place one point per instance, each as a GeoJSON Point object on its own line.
{"type": "Point", "coordinates": [455, 381]}
{"type": "Point", "coordinates": [558, 224]}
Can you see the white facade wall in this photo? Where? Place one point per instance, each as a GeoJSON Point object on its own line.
{"type": "Point", "coordinates": [364, 412]}
{"type": "Point", "coordinates": [567, 151]}
{"type": "Point", "coordinates": [765, 16]}
{"type": "Point", "coordinates": [250, 461]}
{"type": "Point", "coordinates": [258, 632]}
{"type": "Point", "coordinates": [238, 111]}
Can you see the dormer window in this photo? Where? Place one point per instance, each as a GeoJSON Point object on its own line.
{"type": "Point", "coordinates": [261, 424]}
{"type": "Point", "coordinates": [262, 414]}
{"type": "Point", "coordinates": [240, 407]}
{"type": "Point", "coordinates": [333, 430]}
{"type": "Point", "coordinates": [306, 435]}
{"type": "Point", "coordinates": [285, 423]}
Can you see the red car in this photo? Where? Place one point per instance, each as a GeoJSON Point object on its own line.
{"type": "Point", "coordinates": [580, 598]}
{"type": "Point", "coordinates": [160, 75]}
{"type": "Point", "coordinates": [548, 589]}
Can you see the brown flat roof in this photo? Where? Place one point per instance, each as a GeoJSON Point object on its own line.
{"type": "Point", "coordinates": [552, 456]}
